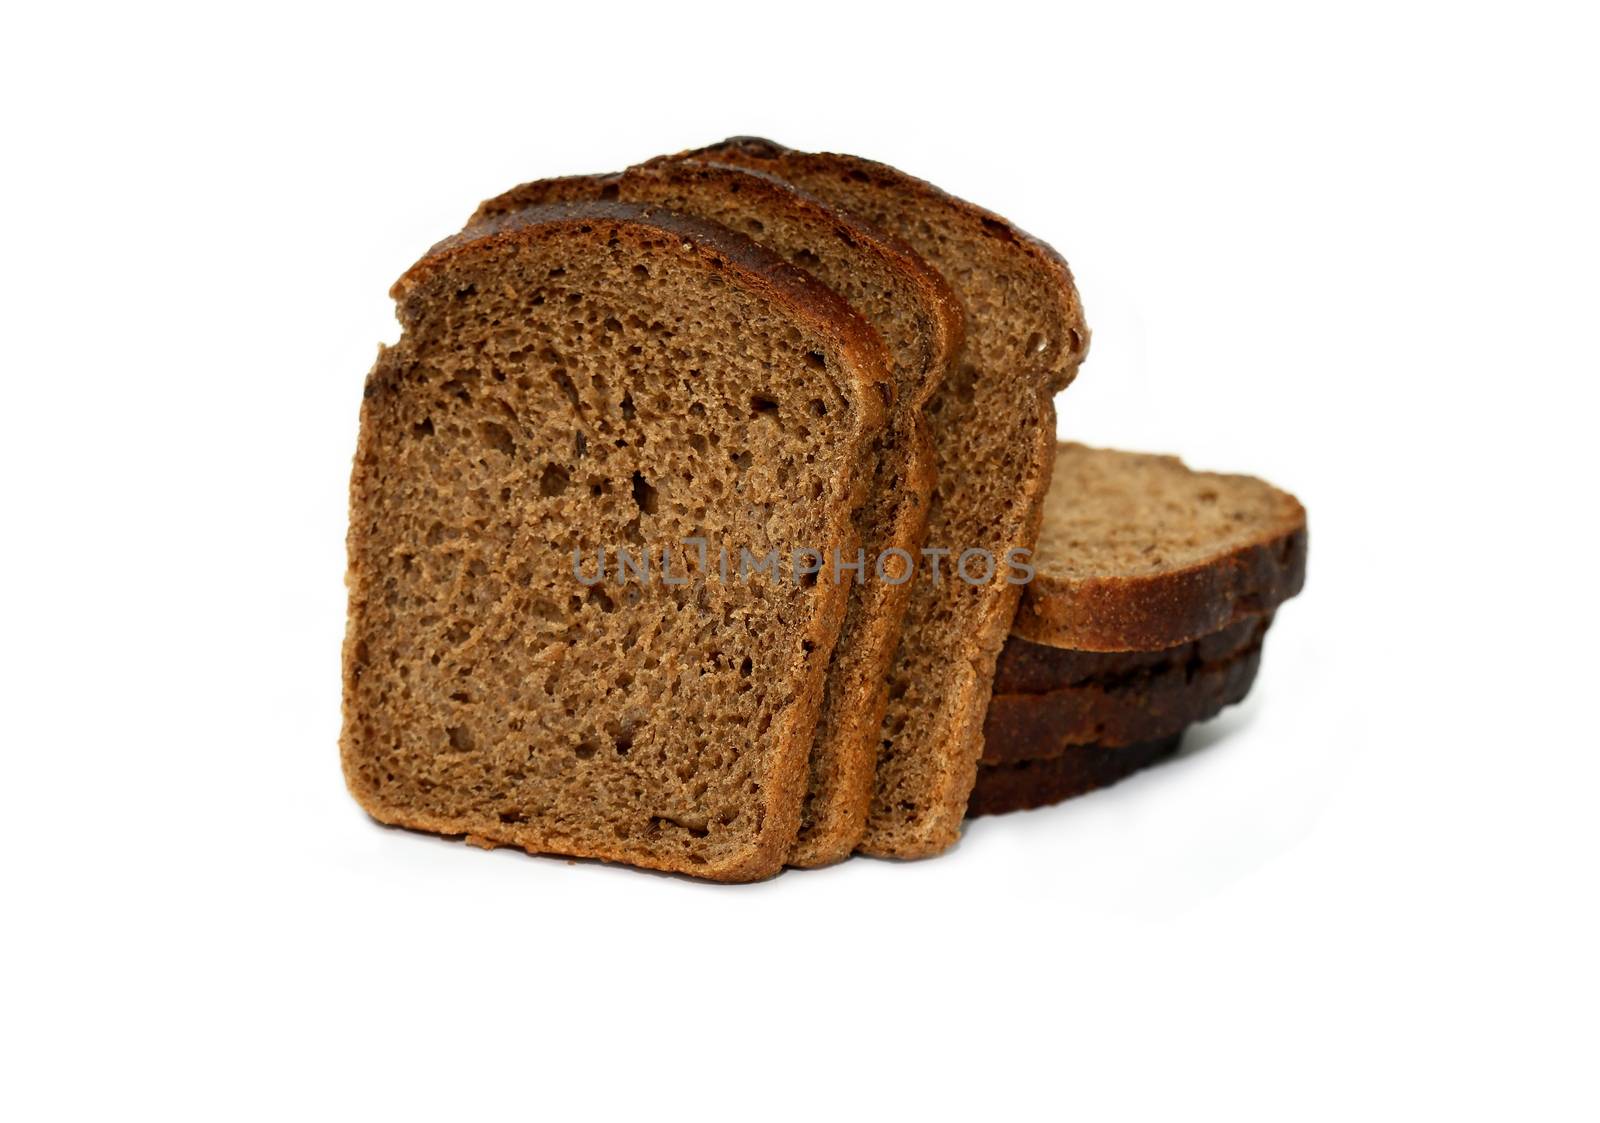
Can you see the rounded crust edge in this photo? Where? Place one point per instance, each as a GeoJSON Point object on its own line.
{"type": "Point", "coordinates": [1165, 609]}
{"type": "Point", "coordinates": [1064, 370]}
{"type": "Point", "coordinates": [824, 310]}
{"type": "Point", "coordinates": [539, 192]}
{"type": "Point", "coordinates": [947, 321]}
{"type": "Point", "coordinates": [1033, 784]}
{"type": "Point", "coordinates": [1041, 726]}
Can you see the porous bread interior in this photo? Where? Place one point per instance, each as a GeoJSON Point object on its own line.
{"type": "Point", "coordinates": [900, 302]}
{"type": "Point", "coordinates": [1126, 514]}
{"type": "Point", "coordinates": [993, 427]}
{"type": "Point", "coordinates": [877, 285]}
{"type": "Point", "coordinates": [912, 308]}
{"type": "Point", "coordinates": [569, 393]}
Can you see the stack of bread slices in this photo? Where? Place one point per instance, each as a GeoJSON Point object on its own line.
{"type": "Point", "coordinates": [692, 512]}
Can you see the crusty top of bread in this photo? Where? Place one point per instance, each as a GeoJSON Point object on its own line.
{"type": "Point", "coordinates": [1059, 357]}
{"type": "Point", "coordinates": [1138, 552]}
{"type": "Point", "coordinates": [802, 293]}
{"type": "Point", "coordinates": [540, 192]}
{"type": "Point", "coordinates": [654, 181]}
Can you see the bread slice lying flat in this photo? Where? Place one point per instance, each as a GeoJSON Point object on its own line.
{"type": "Point", "coordinates": [1140, 553]}
{"type": "Point", "coordinates": [1079, 771]}
{"type": "Point", "coordinates": [1049, 699]}
{"type": "Point", "coordinates": [918, 317]}
{"type": "Point", "coordinates": [1063, 723]}
{"type": "Point", "coordinates": [589, 376]}
{"type": "Point", "coordinates": [993, 425]}
{"type": "Point", "coordinates": [1155, 588]}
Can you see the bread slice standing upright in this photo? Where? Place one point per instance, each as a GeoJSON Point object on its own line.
{"type": "Point", "coordinates": [993, 426]}
{"type": "Point", "coordinates": [919, 319]}
{"type": "Point", "coordinates": [601, 376]}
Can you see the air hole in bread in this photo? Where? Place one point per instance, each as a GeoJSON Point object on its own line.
{"type": "Point", "coordinates": [569, 388]}
{"type": "Point", "coordinates": [554, 480]}
{"type": "Point", "coordinates": [498, 437]}
{"type": "Point", "coordinates": [644, 495]}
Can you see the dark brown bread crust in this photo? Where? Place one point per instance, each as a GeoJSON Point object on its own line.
{"type": "Point", "coordinates": [1033, 668]}
{"type": "Point", "coordinates": [1039, 783]}
{"type": "Point", "coordinates": [824, 309]}
{"type": "Point", "coordinates": [542, 192]}
{"type": "Point", "coordinates": [1130, 700]}
{"type": "Point", "coordinates": [947, 322]}
{"type": "Point", "coordinates": [1115, 614]}
{"type": "Point", "coordinates": [862, 376]}
{"type": "Point", "coordinates": [918, 808]}
{"type": "Point", "coordinates": [895, 515]}
{"type": "Point", "coordinates": [1160, 610]}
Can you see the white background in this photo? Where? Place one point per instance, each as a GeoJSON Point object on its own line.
{"type": "Point", "coordinates": [1351, 248]}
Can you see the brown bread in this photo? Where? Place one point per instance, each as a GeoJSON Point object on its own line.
{"type": "Point", "coordinates": [914, 311]}
{"type": "Point", "coordinates": [600, 375]}
{"type": "Point", "coordinates": [1048, 700]}
{"type": "Point", "coordinates": [1038, 783]}
{"type": "Point", "coordinates": [993, 424]}
{"type": "Point", "coordinates": [1140, 553]}
{"type": "Point", "coordinates": [1137, 556]}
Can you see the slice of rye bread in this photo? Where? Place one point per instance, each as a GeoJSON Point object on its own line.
{"type": "Point", "coordinates": [1140, 553]}
{"type": "Point", "coordinates": [1038, 783]}
{"type": "Point", "coordinates": [588, 376]}
{"type": "Point", "coordinates": [913, 309]}
{"type": "Point", "coordinates": [993, 425]}
{"type": "Point", "coordinates": [1050, 700]}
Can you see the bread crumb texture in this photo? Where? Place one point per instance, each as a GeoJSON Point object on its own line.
{"type": "Point", "coordinates": [568, 382]}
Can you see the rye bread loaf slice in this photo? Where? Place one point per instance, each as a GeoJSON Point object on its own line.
{"type": "Point", "coordinates": [1140, 553]}
{"type": "Point", "coordinates": [918, 317]}
{"type": "Point", "coordinates": [993, 426]}
{"type": "Point", "coordinates": [1085, 768]}
{"type": "Point", "coordinates": [583, 377]}
{"type": "Point", "coordinates": [1048, 700]}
